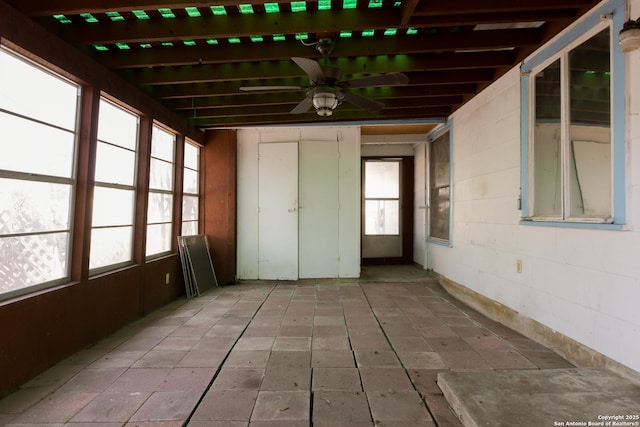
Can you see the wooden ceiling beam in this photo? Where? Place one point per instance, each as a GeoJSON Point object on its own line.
{"type": "Point", "coordinates": [312, 118]}
{"type": "Point", "coordinates": [365, 46]}
{"type": "Point", "coordinates": [425, 20]}
{"type": "Point", "coordinates": [184, 95]}
{"type": "Point", "coordinates": [74, 7]}
{"type": "Point", "coordinates": [435, 7]}
{"type": "Point", "coordinates": [180, 28]}
{"type": "Point", "coordinates": [350, 66]}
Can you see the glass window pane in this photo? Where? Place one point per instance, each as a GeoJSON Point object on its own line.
{"type": "Point", "coordinates": [547, 169]}
{"type": "Point", "coordinates": [160, 207]}
{"type": "Point", "coordinates": [33, 206]}
{"type": "Point", "coordinates": [590, 128]}
{"type": "Point", "coordinates": [382, 179]}
{"type": "Point", "coordinates": [32, 147]}
{"type": "Point", "coordinates": [110, 246]}
{"type": "Point", "coordinates": [440, 204]}
{"type": "Point", "coordinates": [115, 165]}
{"type": "Point", "coordinates": [112, 206]}
{"type": "Point", "coordinates": [158, 238]}
{"type": "Point", "coordinates": [189, 228]}
{"type": "Point", "coordinates": [117, 125]}
{"type": "Point", "coordinates": [439, 187]}
{"type": "Point", "coordinates": [29, 260]}
{"type": "Point", "coordinates": [32, 92]}
{"type": "Point", "coordinates": [161, 175]}
{"type": "Point", "coordinates": [382, 217]}
{"type": "Point", "coordinates": [162, 144]}
{"type": "Point", "coordinates": [190, 181]}
{"type": "Point", "coordinates": [189, 208]}
{"type": "Point", "coordinates": [191, 155]}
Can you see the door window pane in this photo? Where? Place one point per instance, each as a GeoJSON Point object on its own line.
{"type": "Point", "coordinates": [382, 217]}
{"type": "Point", "coordinates": [382, 179]}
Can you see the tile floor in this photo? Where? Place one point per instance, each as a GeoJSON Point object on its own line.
{"type": "Point", "coordinates": [324, 353]}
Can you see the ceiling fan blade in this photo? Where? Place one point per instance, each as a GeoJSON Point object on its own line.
{"type": "Point", "coordinates": [311, 67]}
{"type": "Point", "coordinates": [258, 88]}
{"type": "Point", "coordinates": [302, 107]}
{"type": "Point", "coordinates": [363, 102]}
{"type": "Point", "coordinates": [389, 79]}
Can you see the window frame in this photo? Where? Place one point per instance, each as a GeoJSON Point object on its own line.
{"type": "Point", "coordinates": [96, 271]}
{"type": "Point", "coordinates": [71, 181]}
{"type": "Point", "coordinates": [187, 194]}
{"type": "Point", "coordinates": [611, 15]}
{"type": "Point", "coordinates": [171, 192]}
{"type": "Point", "coordinates": [431, 138]}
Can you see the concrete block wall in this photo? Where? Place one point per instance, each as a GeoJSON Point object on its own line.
{"type": "Point", "coordinates": [582, 283]}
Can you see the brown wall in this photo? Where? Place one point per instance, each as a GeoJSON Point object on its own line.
{"type": "Point", "coordinates": [40, 329]}
{"type": "Point", "coordinates": [220, 158]}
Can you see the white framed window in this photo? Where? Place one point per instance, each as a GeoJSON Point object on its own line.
{"type": "Point", "coordinates": [439, 230]}
{"type": "Point", "coordinates": [573, 165]}
{"type": "Point", "coordinates": [161, 187]}
{"type": "Point", "coordinates": [191, 189]}
{"type": "Point", "coordinates": [38, 133]}
{"type": "Point", "coordinates": [114, 191]}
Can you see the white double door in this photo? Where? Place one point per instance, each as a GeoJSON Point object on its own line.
{"type": "Point", "coordinates": [298, 210]}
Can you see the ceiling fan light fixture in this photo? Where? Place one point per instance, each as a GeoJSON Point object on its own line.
{"type": "Point", "coordinates": [325, 101]}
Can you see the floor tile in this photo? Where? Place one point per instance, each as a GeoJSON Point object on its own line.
{"type": "Point", "coordinates": [345, 379]}
{"type": "Point", "coordinates": [139, 380]}
{"type": "Point", "coordinates": [58, 407]}
{"type": "Point", "coordinates": [111, 407]}
{"type": "Point", "coordinates": [282, 378]}
{"type": "Point", "coordinates": [292, 344]}
{"type": "Point", "coordinates": [226, 405]}
{"type": "Point", "coordinates": [333, 359]}
{"type": "Point", "coordinates": [93, 380]}
{"type": "Point", "coordinates": [281, 406]}
{"type": "Point", "coordinates": [421, 360]}
{"type": "Point", "coordinates": [238, 379]}
{"type": "Point", "coordinates": [177, 343]}
{"type": "Point", "coordinates": [197, 358]}
{"type": "Point", "coordinates": [295, 331]}
{"type": "Point", "coordinates": [254, 343]}
{"type": "Point", "coordinates": [247, 359]}
{"type": "Point", "coordinates": [385, 379]}
{"type": "Point", "coordinates": [401, 406]}
{"type": "Point", "coordinates": [290, 359]}
{"type": "Point", "coordinates": [376, 359]}
{"type": "Point", "coordinates": [160, 359]}
{"type": "Point", "coordinates": [183, 379]}
{"type": "Point", "coordinates": [167, 406]}
{"type": "Point", "coordinates": [333, 407]}
{"type": "Point", "coordinates": [425, 380]}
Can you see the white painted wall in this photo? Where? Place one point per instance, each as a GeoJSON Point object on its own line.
{"type": "Point", "coordinates": [336, 241]}
{"type": "Point", "coordinates": [582, 283]}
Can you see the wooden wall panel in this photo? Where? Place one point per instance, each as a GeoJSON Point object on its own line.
{"type": "Point", "coordinates": [219, 199]}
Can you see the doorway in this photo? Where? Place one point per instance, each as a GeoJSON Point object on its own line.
{"type": "Point", "coordinates": [387, 210]}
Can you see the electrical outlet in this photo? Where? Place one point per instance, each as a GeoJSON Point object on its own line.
{"type": "Point", "coordinates": [167, 278]}
{"type": "Point", "coordinates": [519, 266]}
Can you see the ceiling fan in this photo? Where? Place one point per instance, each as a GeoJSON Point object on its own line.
{"type": "Point", "coordinates": [327, 90]}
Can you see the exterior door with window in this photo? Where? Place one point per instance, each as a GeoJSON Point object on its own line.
{"type": "Point", "coordinates": [385, 237]}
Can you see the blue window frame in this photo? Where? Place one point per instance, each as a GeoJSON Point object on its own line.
{"type": "Point", "coordinates": [573, 126]}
